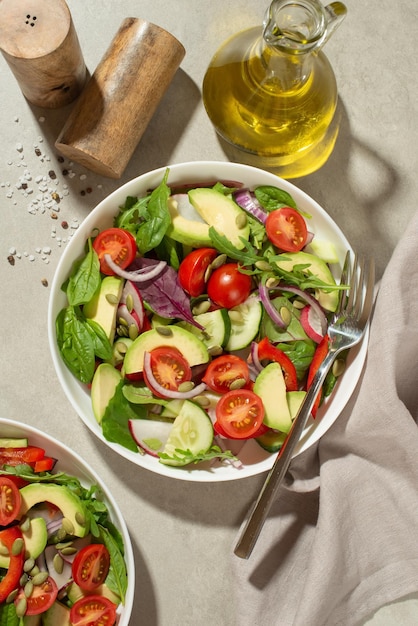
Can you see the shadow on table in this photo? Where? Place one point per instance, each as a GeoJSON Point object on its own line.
{"type": "Point", "coordinates": [154, 150]}
{"type": "Point", "coordinates": [352, 186]}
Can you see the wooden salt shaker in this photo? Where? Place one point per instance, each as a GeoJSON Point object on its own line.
{"type": "Point", "coordinates": [119, 100]}
{"type": "Point", "coordinates": [40, 44]}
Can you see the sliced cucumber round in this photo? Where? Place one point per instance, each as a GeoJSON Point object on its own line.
{"type": "Point", "coordinates": [245, 323]}
{"type": "Point", "coordinates": [190, 435]}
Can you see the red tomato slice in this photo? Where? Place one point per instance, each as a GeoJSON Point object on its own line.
{"type": "Point", "coordinates": [286, 229]}
{"type": "Point", "coordinates": [240, 413]}
{"type": "Point", "coordinates": [263, 429]}
{"type": "Point", "coordinates": [91, 566]}
{"type": "Point", "coordinates": [93, 610]}
{"type": "Point", "coordinates": [267, 351]}
{"type": "Point", "coordinates": [169, 368]}
{"type": "Point", "coordinates": [225, 370]}
{"type": "Point", "coordinates": [319, 355]}
{"type": "Point", "coordinates": [13, 574]}
{"type": "Point", "coordinates": [10, 501]}
{"type": "Point", "coordinates": [192, 270]}
{"type": "Point", "coordinates": [121, 246]}
{"type": "Point", "coordinates": [42, 597]}
{"type": "Point", "coordinates": [228, 286]}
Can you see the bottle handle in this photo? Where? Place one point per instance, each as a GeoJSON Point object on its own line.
{"type": "Point", "coordinates": [335, 13]}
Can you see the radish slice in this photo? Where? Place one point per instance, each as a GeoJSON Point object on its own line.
{"type": "Point", "coordinates": [150, 435]}
{"type": "Point", "coordinates": [314, 304]}
{"type": "Point", "coordinates": [311, 323]}
{"type": "Point", "coordinates": [129, 289]}
{"type": "Point", "coordinates": [137, 276]}
{"type": "Point", "coordinates": [63, 577]}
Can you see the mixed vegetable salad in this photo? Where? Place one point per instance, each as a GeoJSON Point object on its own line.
{"type": "Point", "coordinates": [61, 558]}
{"type": "Point", "coordinates": [199, 318]}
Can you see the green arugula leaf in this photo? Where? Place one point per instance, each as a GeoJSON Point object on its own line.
{"type": "Point", "coordinates": [132, 213]}
{"type": "Point", "coordinates": [247, 256]}
{"type": "Point", "coordinates": [186, 457]}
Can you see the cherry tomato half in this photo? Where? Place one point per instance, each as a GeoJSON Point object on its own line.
{"type": "Point", "coordinates": [42, 597]}
{"type": "Point", "coordinates": [240, 413]}
{"type": "Point", "coordinates": [193, 268]}
{"type": "Point", "coordinates": [91, 566]}
{"type": "Point", "coordinates": [169, 368]}
{"type": "Point", "coordinates": [93, 610]}
{"type": "Point", "coordinates": [228, 286]}
{"type": "Point", "coordinates": [10, 501]}
{"type": "Point", "coordinates": [121, 246]}
{"type": "Point", "coordinates": [225, 370]}
{"type": "Point", "coordinates": [286, 229]}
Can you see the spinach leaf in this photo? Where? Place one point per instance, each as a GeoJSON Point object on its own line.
{"type": "Point", "coordinates": [75, 343]}
{"type": "Point", "coordinates": [151, 231]}
{"type": "Point", "coordinates": [85, 278]}
{"type": "Point", "coordinates": [117, 578]}
{"type": "Point", "coordinates": [272, 198]}
{"type": "Point", "coordinates": [101, 344]}
{"type": "Point", "coordinates": [8, 615]}
{"type": "Point", "coordinates": [300, 353]}
{"type": "Point", "coordinates": [115, 422]}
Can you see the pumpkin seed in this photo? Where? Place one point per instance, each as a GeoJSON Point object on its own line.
{"type": "Point", "coordinates": [218, 261]}
{"type": "Point", "coordinates": [23, 580]}
{"type": "Point", "coordinates": [122, 321]}
{"type": "Point", "coordinates": [68, 550]}
{"type": "Point", "coordinates": [25, 525]}
{"type": "Point", "coordinates": [112, 299]}
{"type": "Point", "coordinates": [79, 518]}
{"type": "Point", "coordinates": [241, 220]}
{"type": "Point", "coordinates": [186, 385]}
{"type": "Point", "coordinates": [17, 546]}
{"type": "Point", "coordinates": [263, 266]}
{"type": "Point", "coordinates": [35, 570]}
{"type": "Point", "coordinates": [21, 607]}
{"type": "Point", "coordinates": [61, 534]}
{"type": "Point", "coordinates": [40, 578]}
{"type": "Point", "coordinates": [28, 589]}
{"type": "Point", "coordinates": [235, 316]}
{"type": "Point", "coordinates": [201, 307]}
{"type": "Point", "coordinates": [68, 526]}
{"type": "Point", "coordinates": [28, 564]}
{"type": "Point", "coordinates": [272, 282]}
{"type": "Point", "coordinates": [64, 544]}
{"type": "Point", "coordinates": [58, 563]}
{"type": "Point", "coordinates": [338, 367]}
{"type": "Point", "coordinates": [208, 272]}
{"type": "Point", "coordinates": [202, 401]}
{"type": "Point", "coordinates": [122, 331]}
{"type": "Point", "coordinates": [298, 304]}
{"type": "Point", "coordinates": [238, 383]}
{"type": "Point", "coordinates": [4, 551]}
{"type": "Point", "coordinates": [133, 332]}
{"type": "Point", "coordinates": [120, 347]}
{"type": "Point", "coordinates": [129, 303]}
{"type": "Point", "coordinates": [12, 595]}
{"type": "Point", "coordinates": [165, 331]}
{"type": "Point", "coordinates": [215, 350]}
{"type": "Point", "coordinates": [286, 315]}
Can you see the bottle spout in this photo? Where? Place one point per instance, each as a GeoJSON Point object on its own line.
{"type": "Point", "coordinates": [301, 26]}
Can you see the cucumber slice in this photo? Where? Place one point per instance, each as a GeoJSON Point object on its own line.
{"type": "Point", "coordinates": [191, 431]}
{"type": "Point", "coordinates": [217, 327]}
{"type": "Point", "coordinates": [245, 322]}
{"type": "Point", "coordinates": [6, 442]}
{"type": "Point", "coordinates": [272, 440]}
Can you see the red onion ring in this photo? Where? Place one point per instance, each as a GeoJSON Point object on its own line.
{"type": "Point", "coordinates": [168, 393]}
{"type": "Point", "coordinates": [137, 276]}
{"type": "Point", "coordinates": [271, 310]}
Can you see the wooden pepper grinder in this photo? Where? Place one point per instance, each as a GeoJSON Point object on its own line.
{"type": "Point", "coordinates": [113, 111]}
{"type": "Point", "coordinates": [40, 44]}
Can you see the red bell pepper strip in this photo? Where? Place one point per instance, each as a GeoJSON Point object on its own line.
{"type": "Point", "coordinates": [14, 572]}
{"type": "Point", "coordinates": [16, 456]}
{"type": "Point", "coordinates": [267, 351]}
{"type": "Point", "coordinates": [319, 355]}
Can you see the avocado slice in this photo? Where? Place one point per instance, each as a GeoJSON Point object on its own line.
{"type": "Point", "coordinates": [328, 299]}
{"type": "Point", "coordinates": [35, 539]}
{"type": "Point", "coordinates": [103, 307]}
{"type": "Point", "coordinates": [70, 505]}
{"type": "Point", "coordinates": [212, 208]}
{"type": "Point", "coordinates": [191, 347]}
{"type": "Point", "coordinates": [56, 614]}
{"type": "Point", "coordinates": [74, 593]}
{"type": "Point", "coordinates": [103, 387]}
{"type": "Point", "coordinates": [271, 388]}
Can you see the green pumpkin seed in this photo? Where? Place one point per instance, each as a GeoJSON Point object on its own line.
{"type": "Point", "coordinates": [133, 332]}
{"type": "Point", "coordinates": [35, 570]}
{"type": "Point", "coordinates": [79, 518]}
{"type": "Point", "coordinates": [28, 589]}
{"type": "Point", "coordinates": [202, 401]}
{"type": "Point", "coordinates": [12, 595]}
{"type": "Point", "coordinates": [208, 272]}
{"type": "Point", "coordinates": [68, 526]}
{"type": "Point", "coordinates": [238, 383]}
{"type": "Point", "coordinates": [164, 331]}
{"type": "Point", "coordinates": [120, 347]}
{"type": "Point", "coordinates": [286, 315]}
{"type": "Point", "coordinates": [58, 563]}
{"type": "Point", "coordinates": [21, 607]}
{"type": "Point", "coordinates": [201, 307]}
{"type": "Point", "coordinates": [272, 282]}
{"type": "Point", "coordinates": [25, 525]}
{"type": "Point", "coordinates": [23, 580]}
{"type": "Point", "coordinates": [122, 321]}
{"type": "Point", "coordinates": [112, 299]}
{"type": "Point", "coordinates": [68, 550]}
{"type": "Point", "coordinates": [40, 578]}
{"type": "Point", "coordinates": [218, 261]}
{"type": "Point", "coordinates": [241, 220]}
{"type": "Point", "coordinates": [235, 316]}
{"type": "Point", "coordinates": [28, 565]}
{"type": "Point", "coordinates": [338, 367]}
{"type": "Point", "coordinates": [263, 266]}
{"type": "Point", "coordinates": [186, 385]}
{"type": "Point", "coordinates": [17, 546]}
{"type": "Point", "coordinates": [129, 303]}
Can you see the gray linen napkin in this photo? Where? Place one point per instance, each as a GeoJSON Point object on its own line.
{"type": "Point", "coordinates": [341, 539]}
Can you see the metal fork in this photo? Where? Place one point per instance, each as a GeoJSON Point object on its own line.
{"type": "Point", "coordinates": [346, 329]}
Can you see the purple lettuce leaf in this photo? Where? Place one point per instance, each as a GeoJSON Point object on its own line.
{"type": "Point", "coordinates": [164, 294]}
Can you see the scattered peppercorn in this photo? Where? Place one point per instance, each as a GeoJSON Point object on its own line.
{"type": "Point", "coordinates": [11, 259]}
{"type": "Point", "coordinates": [44, 282]}
{"type": "Point", "coordinates": [64, 224]}
{"type": "Point", "coordinates": [52, 174]}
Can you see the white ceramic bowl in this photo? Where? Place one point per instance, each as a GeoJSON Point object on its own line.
{"type": "Point", "coordinates": [72, 464]}
{"type": "Point", "coordinates": [255, 460]}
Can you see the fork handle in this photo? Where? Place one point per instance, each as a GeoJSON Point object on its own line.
{"type": "Point", "coordinates": [259, 511]}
